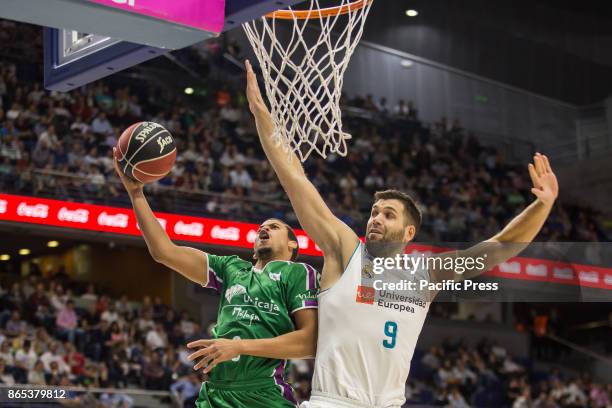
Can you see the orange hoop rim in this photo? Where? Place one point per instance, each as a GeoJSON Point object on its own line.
{"type": "Point", "coordinates": [318, 13]}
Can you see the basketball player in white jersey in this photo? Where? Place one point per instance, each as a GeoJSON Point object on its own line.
{"type": "Point", "coordinates": [365, 346]}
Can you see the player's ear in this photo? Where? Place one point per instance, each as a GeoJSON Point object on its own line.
{"type": "Point", "coordinates": [409, 233]}
{"type": "Point", "coordinates": [255, 255]}
{"type": "Point", "coordinates": [293, 244]}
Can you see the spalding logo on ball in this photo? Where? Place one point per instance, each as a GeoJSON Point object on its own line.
{"type": "Point", "coordinates": [146, 152]}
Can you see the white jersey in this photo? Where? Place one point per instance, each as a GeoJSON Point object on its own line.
{"type": "Point", "coordinates": [366, 340]}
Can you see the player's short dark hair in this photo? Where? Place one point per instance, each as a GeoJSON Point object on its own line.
{"type": "Point", "coordinates": [412, 212]}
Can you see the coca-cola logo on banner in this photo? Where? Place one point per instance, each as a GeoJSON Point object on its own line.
{"type": "Point", "coordinates": [113, 220]}
{"type": "Point", "coordinates": [251, 236]}
{"type": "Point", "coordinates": [510, 267]}
{"type": "Point", "coordinates": [33, 211]}
{"type": "Point", "coordinates": [302, 241]}
{"type": "Point", "coordinates": [589, 276]}
{"type": "Point", "coordinates": [563, 273]}
{"type": "Point", "coordinates": [226, 234]}
{"type": "Point", "coordinates": [537, 270]}
{"type": "Point", "coordinates": [193, 229]}
{"type": "Point", "coordinates": [79, 215]}
{"type": "Point", "coordinates": [608, 279]}
{"type": "Point", "coordinates": [3, 206]}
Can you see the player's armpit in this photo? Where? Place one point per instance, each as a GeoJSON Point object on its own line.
{"type": "Point", "coordinates": [189, 262]}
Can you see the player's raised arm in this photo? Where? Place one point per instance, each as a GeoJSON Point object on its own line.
{"type": "Point", "coordinates": [189, 262]}
{"type": "Point", "coordinates": [515, 236]}
{"type": "Point", "coordinates": [335, 238]}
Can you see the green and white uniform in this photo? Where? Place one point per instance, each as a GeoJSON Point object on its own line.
{"type": "Point", "coordinates": [255, 304]}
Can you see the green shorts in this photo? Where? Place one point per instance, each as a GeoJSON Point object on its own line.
{"type": "Point", "coordinates": [264, 393]}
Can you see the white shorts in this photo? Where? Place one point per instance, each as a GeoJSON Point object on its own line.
{"type": "Point", "coordinates": [325, 401]}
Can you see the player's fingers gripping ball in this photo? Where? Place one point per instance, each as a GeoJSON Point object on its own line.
{"type": "Point", "coordinates": [146, 152]}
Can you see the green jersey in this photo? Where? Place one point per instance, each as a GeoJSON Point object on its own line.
{"type": "Point", "coordinates": [257, 304]}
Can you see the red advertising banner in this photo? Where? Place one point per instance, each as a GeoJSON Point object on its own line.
{"type": "Point", "coordinates": [123, 221]}
{"type": "Point", "coordinates": [541, 270]}
{"type": "Point", "coordinates": [239, 234]}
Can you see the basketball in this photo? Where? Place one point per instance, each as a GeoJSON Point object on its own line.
{"type": "Point", "coordinates": [146, 152]}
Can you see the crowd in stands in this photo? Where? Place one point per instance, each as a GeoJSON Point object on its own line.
{"type": "Point", "coordinates": [467, 191]}
{"type": "Point", "coordinates": [457, 376]}
{"type": "Point", "coordinates": [61, 332]}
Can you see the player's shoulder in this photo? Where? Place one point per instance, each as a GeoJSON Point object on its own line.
{"type": "Point", "coordinates": [288, 267]}
{"type": "Point", "coordinates": [280, 266]}
{"type": "Point", "coordinates": [303, 272]}
{"type": "Point", "coordinates": [229, 261]}
{"type": "Point", "coordinates": [302, 267]}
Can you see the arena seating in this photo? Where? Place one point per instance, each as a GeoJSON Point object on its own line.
{"type": "Point", "coordinates": [59, 146]}
{"type": "Point", "coordinates": [117, 343]}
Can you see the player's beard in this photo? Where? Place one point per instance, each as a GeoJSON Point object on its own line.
{"type": "Point", "coordinates": [264, 253]}
{"type": "Point", "coordinates": [387, 247]}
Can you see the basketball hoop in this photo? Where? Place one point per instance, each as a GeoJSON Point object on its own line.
{"type": "Point", "coordinates": [318, 13]}
{"type": "Point", "coordinates": [304, 69]}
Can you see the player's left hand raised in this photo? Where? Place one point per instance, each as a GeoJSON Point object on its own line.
{"type": "Point", "coordinates": [212, 352]}
{"type": "Point", "coordinates": [256, 102]}
{"type": "Point", "coordinates": [545, 185]}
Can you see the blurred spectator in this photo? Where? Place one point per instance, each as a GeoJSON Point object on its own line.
{"type": "Point", "coordinates": [524, 400]}
{"type": "Point", "coordinates": [6, 354]}
{"type": "Point", "coordinates": [110, 315]}
{"type": "Point", "coordinates": [52, 356]}
{"type": "Point", "coordinates": [36, 375]}
{"type": "Point", "coordinates": [74, 359]}
{"type": "Point", "coordinates": [67, 323]}
{"type": "Point", "coordinates": [156, 337]}
{"type": "Point", "coordinates": [101, 125]}
{"type": "Point", "coordinates": [15, 326]}
{"type": "Point", "coordinates": [154, 373]}
{"type": "Point", "coordinates": [26, 357]}
{"type": "Point", "coordinates": [187, 389]}
{"type": "Point", "coordinates": [5, 377]}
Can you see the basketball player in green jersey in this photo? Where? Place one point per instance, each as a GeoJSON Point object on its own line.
{"type": "Point", "coordinates": [267, 312]}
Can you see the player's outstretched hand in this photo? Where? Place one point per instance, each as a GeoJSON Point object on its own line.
{"type": "Point", "coordinates": [130, 185]}
{"type": "Point", "coordinates": [545, 185]}
{"type": "Point", "coordinates": [256, 102]}
{"type": "Point", "coordinates": [212, 352]}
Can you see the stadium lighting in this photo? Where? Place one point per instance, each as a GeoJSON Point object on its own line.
{"type": "Point", "coordinates": [52, 244]}
{"type": "Point", "coordinates": [24, 251]}
{"type": "Point", "coordinates": [412, 13]}
{"type": "Point", "coordinates": [189, 91]}
{"type": "Point", "coordinates": [406, 64]}
{"type": "Point", "coordinates": [5, 257]}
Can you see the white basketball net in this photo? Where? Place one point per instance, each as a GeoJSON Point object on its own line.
{"type": "Point", "coordinates": [303, 75]}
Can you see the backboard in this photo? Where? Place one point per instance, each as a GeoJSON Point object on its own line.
{"type": "Point", "coordinates": [86, 40]}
